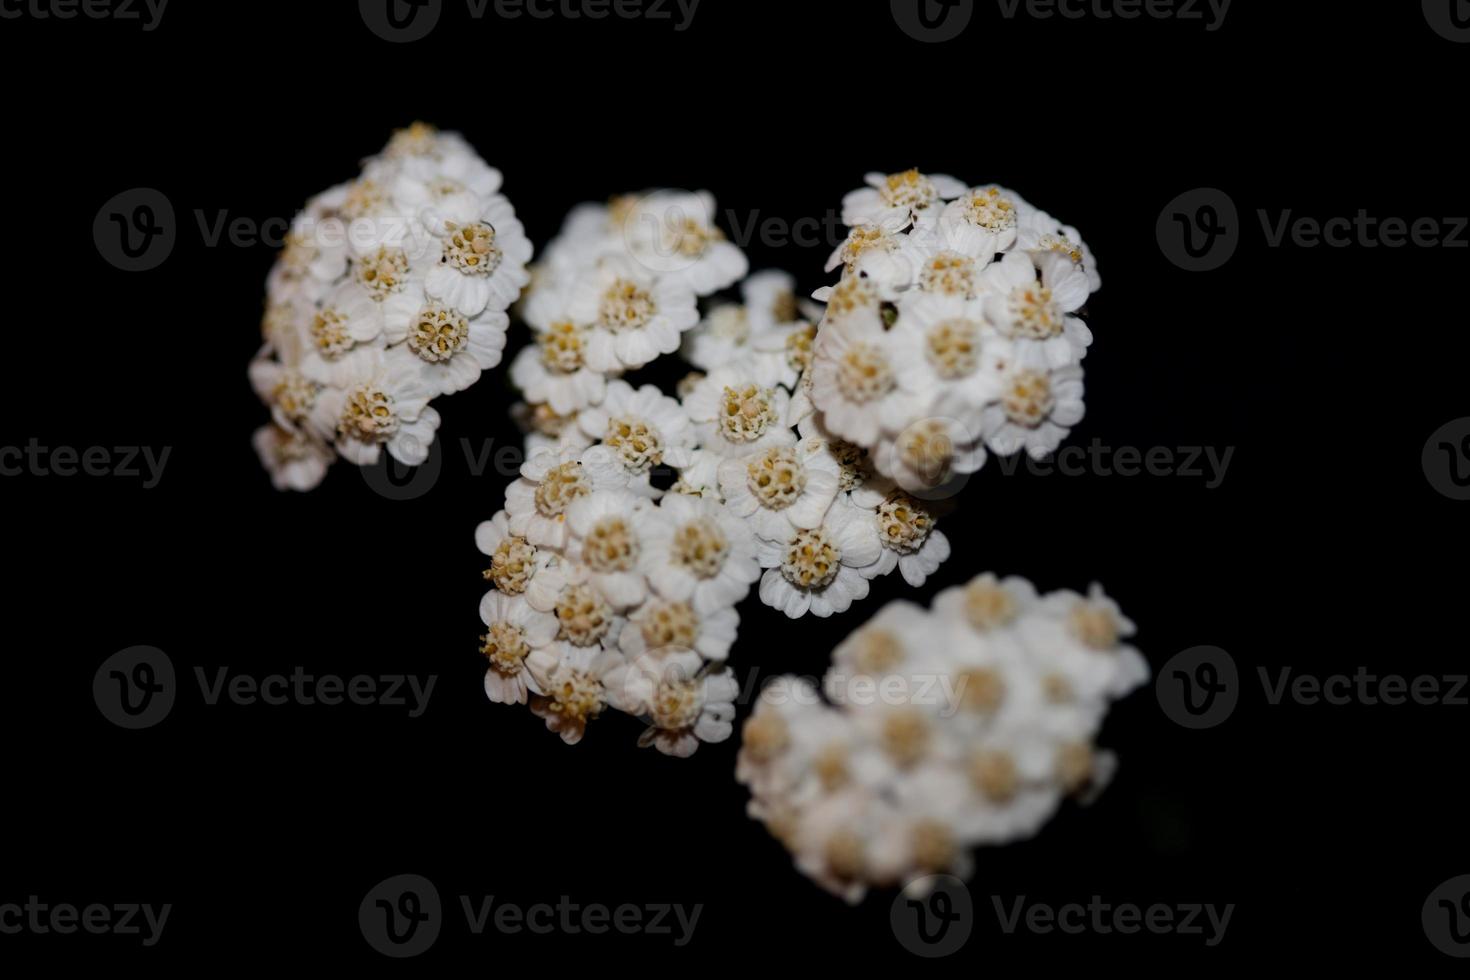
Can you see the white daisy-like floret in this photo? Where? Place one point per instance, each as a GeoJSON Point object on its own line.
{"type": "Point", "coordinates": [820, 570]}
{"type": "Point", "coordinates": [864, 381]}
{"type": "Point", "coordinates": [911, 543]}
{"type": "Point", "coordinates": [290, 394]}
{"type": "Point", "coordinates": [987, 602]}
{"type": "Point", "coordinates": [482, 258]}
{"type": "Point", "coordinates": [453, 187]}
{"type": "Point", "coordinates": [513, 629]}
{"type": "Point", "coordinates": [536, 504]}
{"type": "Point", "coordinates": [1081, 639]}
{"type": "Point", "coordinates": [569, 684]}
{"type": "Point", "coordinates": [935, 449]}
{"type": "Point", "coordinates": [644, 427]}
{"type": "Point", "coordinates": [682, 703]}
{"type": "Point", "coordinates": [889, 259]}
{"type": "Point", "coordinates": [982, 221]}
{"type": "Point", "coordinates": [342, 335]}
{"type": "Point", "coordinates": [898, 200]}
{"type": "Point", "coordinates": [294, 459]}
{"type": "Point", "coordinates": [1049, 241]}
{"type": "Point", "coordinates": [605, 542]}
{"type": "Point", "coordinates": [959, 349]}
{"type": "Point", "coordinates": [735, 416]}
{"type": "Point", "coordinates": [1034, 307]}
{"type": "Point", "coordinates": [453, 347]}
{"type": "Point", "coordinates": [516, 564]}
{"type": "Point", "coordinates": [1036, 410]}
{"type": "Point", "coordinates": [783, 487]}
{"type": "Point", "coordinates": [554, 370]}
{"type": "Point", "coordinates": [697, 552]}
{"type": "Point", "coordinates": [661, 625]}
{"type": "Point", "coordinates": [382, 404]}
{"type": "Point", "coordinates": [630, 316]}
{"type": "Point", "coordinates": [673, 234]}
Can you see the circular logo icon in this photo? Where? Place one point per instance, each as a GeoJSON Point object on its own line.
{"type": "Point", "coordinates": [1199, 230]}
{"type": "Point", "coordinates": [400, 21]}
{"type": "Point", "coordinates": [933, 916]}
{"type": "Point", "coordinates": [1446, 917]}
{"type": "Point", "coordinates": [1446, 459]}
{"type": "Point", "coordinates": [135, 231]}
{"type": "Point", "coordinates": [1199, 687]}
{"type": "Point", "coordinates": [1450, 19]}
{"type": "Point", "coordinates": [134, 688]}
{"type": "Point", "coordinates": [398, 481]}
{"type": "Point", "coordinates": [401, 916]}
{"type": "Point", "coordinates": [932, 21]}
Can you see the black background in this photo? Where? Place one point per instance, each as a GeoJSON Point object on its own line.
{"type": "Point", "coordinates": [1325, 547]}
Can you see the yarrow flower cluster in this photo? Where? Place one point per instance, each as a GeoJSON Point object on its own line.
{"type": "Point", "coordinates": [956, 328]}
{"type": "Point", "coordinates": [391, 291]}
{"type": "Point", "coordinates": [643, 517]}
{"type": "Point", "coordinates": [942, 729]}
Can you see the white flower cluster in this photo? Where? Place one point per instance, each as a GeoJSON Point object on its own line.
{"type": "Point", "coordinates": [945, 729]}
{"type": "Point", "coordinates": [392, 290]}
{"type": "Point", "coordinates": [954, 329]}
{"type": "Point", "coordinates": [641, 519]}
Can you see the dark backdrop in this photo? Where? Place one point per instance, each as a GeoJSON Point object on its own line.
{"type": "Point", "coordinates": [1325, 547]}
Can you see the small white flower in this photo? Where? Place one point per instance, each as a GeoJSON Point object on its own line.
{"type": "Point", "coordinates": [697, 551]}
{"type": "Point", "coordinates": [911, 543]}
{"type": "Point", "coordinates": [682, 705]}
{"type": "Point", "coordinates": [554, 370]}
{"type": "Point", "coordinates": [820, 570]}
{"type": "Point", "coordinates": [384, 403]}
{"type": "Point", "coordinates": [783, 487]}
{"type": "Point", "coordinates": [569, 684]}
{"type": "Point", "coordinates": [343, 335]}
{"type": "Point", "coordinates": [1037, 409]}
{"type": "Point", "coordinates": [1049, 241]}
{"type": "Point", "coordinates": [453, 347]}
{"type": "Point", "coordinates": [982, 221]}
{"type": "Point", "coordinates": [605, 539]}
{"type": "Point", "coordinates": [898, 200]}
{"type": "Point", "coordinates": [645, 429]}
{"type": "Point", "coordinates": [482, 260]}
{"type": "Point", "coordinates": [662, 625]}
{"type": "Point", "coordinates": [536, 504]}
{"type": "Point", "coordinates": [673, 234]}
{"type": "Point", "coordinates": [865, 381]}
{"type": "Point", "coordinates": [294, 460]}
{"type": "Point", "coordinates": [516, 564]}
{"type": "Point", "coordinates": [889, 259]}
{"type": "Point", "coordinates": [631, 318]}
{"type": "Point", "coordinates": [734, 416]}
{"type": "Point", "coordinates": [513, 629]}
{"type": "Point", "coordinates": [1033, 307]}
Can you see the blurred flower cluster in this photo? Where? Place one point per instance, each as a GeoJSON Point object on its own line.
{"type": "Point", "coordinates": [941, 729]}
